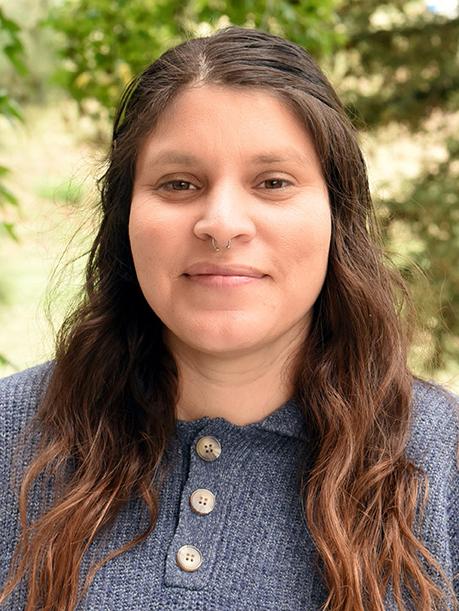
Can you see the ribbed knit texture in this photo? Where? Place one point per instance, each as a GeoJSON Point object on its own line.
{"type": "Point", "coordinates": [256, 548]}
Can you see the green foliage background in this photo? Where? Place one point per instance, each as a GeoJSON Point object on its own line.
{"type": "Point", "coordinates": [13, 51]}
{"type": "Point", "coordinates": [395, 65]}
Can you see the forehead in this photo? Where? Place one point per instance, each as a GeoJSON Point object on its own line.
{"type": "Point", "coordinates": [211, 120]}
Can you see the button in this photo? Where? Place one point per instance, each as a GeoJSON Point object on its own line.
{"type": "Point", "coordinates": [208, 448]}
{"type": "Point", "coordinates": [202, 501]}
{"type": "Point", "coordinates": [189, 558]}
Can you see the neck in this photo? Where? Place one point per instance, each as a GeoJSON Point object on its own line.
{"type": "Point", "coordinates": [240, 388]}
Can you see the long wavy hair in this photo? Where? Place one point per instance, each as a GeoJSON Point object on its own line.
{"type": "Point", "coordinates": [109, 407]}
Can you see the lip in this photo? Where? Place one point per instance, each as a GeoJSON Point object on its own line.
{"type": "Point", "coordinates": [211, 269]}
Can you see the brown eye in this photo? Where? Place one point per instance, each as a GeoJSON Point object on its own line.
{"type": "Point", "coordinates": [276, 183]}
{"type": "Point", "coordinates": [177, 185]}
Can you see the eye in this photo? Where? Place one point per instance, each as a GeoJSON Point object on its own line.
{"type": "Point", "coordinates": [177, 185]}
{"type": "Point", "coordinates": [276, 183]}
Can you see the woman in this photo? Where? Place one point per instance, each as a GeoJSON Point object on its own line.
{"type": "Point", "coordinates": [229, 422]}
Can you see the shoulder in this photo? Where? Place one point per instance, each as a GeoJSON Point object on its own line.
{"type": "Point", "coordinates": [24, 387]}
{"type": "Point", "coordinates": [433, 445]}
{"type": "Point", "coordinates": [20, 394]}
{"type": "Point", "coordinates": [433, 404]}
{"type": "Point", "coordinates": [434, 425]}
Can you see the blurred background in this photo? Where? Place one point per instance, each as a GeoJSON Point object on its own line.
{"type": "Point", "coordinates": [64, 63]}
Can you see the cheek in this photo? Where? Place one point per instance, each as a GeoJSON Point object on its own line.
{"type": "Point", "coordinates": [153, 241]}
{"type": "Point", "coordinates": [305, 242]}
{"type": "Point", "coordinates": [152, 256]}
{"type": "Point", "coordinates": [304, 260]}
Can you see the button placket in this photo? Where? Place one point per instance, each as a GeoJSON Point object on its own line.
{"type": "Point", "coordinates": [193, 547]}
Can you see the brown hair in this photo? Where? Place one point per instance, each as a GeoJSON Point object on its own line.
{"type": "Point", "coordinates": [109, 407]}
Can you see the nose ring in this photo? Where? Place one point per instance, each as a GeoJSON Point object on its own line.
{"type": "Point", "coordinates": [217, 247]}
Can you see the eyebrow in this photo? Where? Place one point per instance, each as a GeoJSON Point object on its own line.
{"type": "Point", "coordinates": [180, 158]}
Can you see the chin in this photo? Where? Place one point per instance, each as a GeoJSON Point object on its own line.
{"type": "Point", "coordinates": [225, 343]}
{"type": "Point", "coordinates": [227, 348]}
{"type": "Point", "coordinates": [220, 339]}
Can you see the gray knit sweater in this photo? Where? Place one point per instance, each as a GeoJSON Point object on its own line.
{"type": "Point", "coordinates": [232, 497]}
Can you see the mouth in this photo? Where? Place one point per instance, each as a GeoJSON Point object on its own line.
{"type": "Point", "coordinates": [223, 271]}
{"type": "Point", "coordinates": [222, 281]}
{"type": "Point", "coordinates": [222, 276]}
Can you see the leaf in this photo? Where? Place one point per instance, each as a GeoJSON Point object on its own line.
{"type": "Point", "coordinates": [13, 52]}
{"type": "Point", "coordinates": [5, 361]}
{"type": "Point", "coordinates": [10, 231]}
{"type": "Point", "coordinates": [6, 194]}
{"type": "Point", "coordinates": [8, 24]}
{"type": "Point", "coordinates": [8, 107]}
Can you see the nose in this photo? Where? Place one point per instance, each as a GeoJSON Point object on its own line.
{"type": "Point", "coordinates": [226, 215]}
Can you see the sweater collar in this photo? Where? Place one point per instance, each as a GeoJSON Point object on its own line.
{"type": "Point", "coordinates": [286, 420]}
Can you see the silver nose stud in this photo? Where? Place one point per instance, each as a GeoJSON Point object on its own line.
{"type": "Point", "coordinates": [217, 247]}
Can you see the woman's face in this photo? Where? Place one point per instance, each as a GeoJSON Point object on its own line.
{"type": "Point", "coordinates": [232, 164]}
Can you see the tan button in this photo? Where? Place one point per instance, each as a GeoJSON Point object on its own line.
{"type": "Point", "coordinates": [208, 448]}
{"type": "Point", "coordinates": [202, 501]}
{"type": "Point", "coordinates": [189, 558]}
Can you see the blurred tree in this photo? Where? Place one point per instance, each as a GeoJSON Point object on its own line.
{"type": "Point", "coordinates": [401, 66]}
{"type": "Point", "coordinates": [12, 49]}
{"type": "Point", "coordinates": [105, 43]}
{"type": "Point", "coordinates": [38, 53]}
{"type": "Point", "coordinates": [394, 63]}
